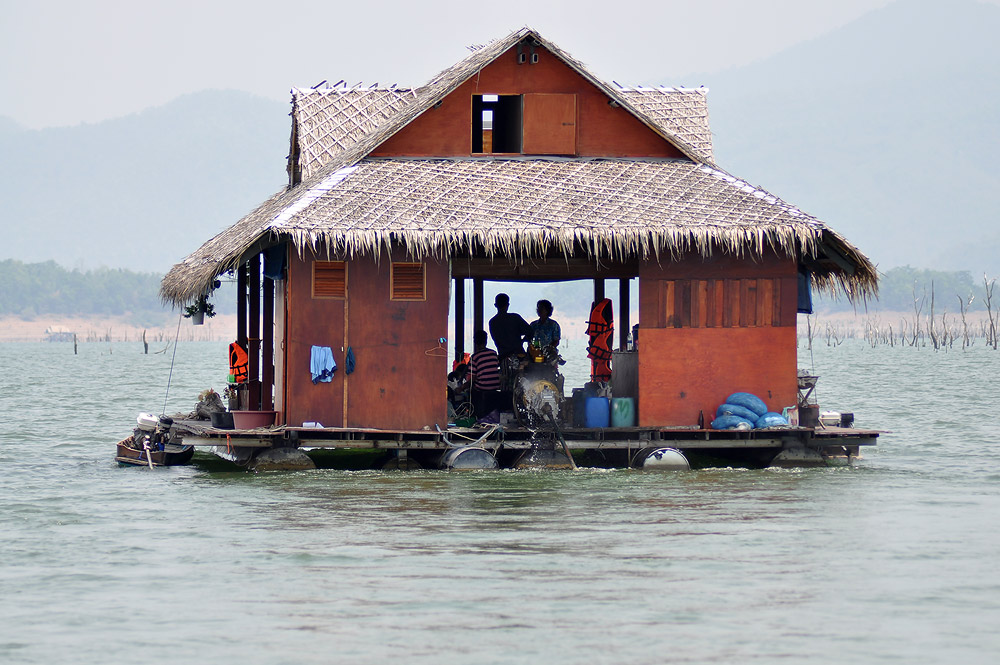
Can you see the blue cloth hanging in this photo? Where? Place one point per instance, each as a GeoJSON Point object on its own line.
{"type": "Point", "coordinates": [321, 364]}
{"type": "Point", "coordinates": [349, 361]}
{"type": "Point", "coordinates": [274, 262]}
{"type": "Point", "coordinates": [805, 302]}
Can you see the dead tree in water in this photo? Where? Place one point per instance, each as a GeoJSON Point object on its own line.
{"type": "Point", "coordinates": [145, 344]}
{"type": "Point", "coordinates": [991, 332]}
{"type": "Point", "coordinates": [930, 327]}
{"type": "Point", "coordinates": [918, 305]}
{"type": "Point", "coordinates": [963, 307]}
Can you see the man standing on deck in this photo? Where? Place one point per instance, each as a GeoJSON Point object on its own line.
{"type": "Point", "coordinates": [508, 330]}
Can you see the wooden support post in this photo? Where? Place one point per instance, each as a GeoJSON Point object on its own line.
{"type": "Point", "coordinates": [241, 305]}
{"type": "Point", "coordinates": [459, 317]}
{"type": "Point", "coordinates": [253, 331]}
{"type": "Point", "coordinates": [624, 325]}
{"type": "Point", "coordinates": [598, 290]}
{"type": "Point", "coordinates": [477, 305]}
{"type": "Point", "coordinates": [267, 348]}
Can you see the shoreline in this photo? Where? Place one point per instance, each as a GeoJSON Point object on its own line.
{"type": "Point", "coordinates": [222, 327]}
{"type": "Point", "coordinates": [115, 329]}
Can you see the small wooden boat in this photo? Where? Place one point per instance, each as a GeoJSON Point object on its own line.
{"type": "Point", "coordinates": [129, 452]}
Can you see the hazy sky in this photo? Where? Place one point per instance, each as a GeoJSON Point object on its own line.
{"type": "Point", "coordinates": [70, 61]}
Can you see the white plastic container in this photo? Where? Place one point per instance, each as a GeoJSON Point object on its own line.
{"type": "Point", "coordinates": [829, 418]}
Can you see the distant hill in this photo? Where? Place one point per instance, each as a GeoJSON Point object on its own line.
{"type": "Point", "coordinates": [885, 128]}
{"type": "Point", "coordinates": [9, 127]}
{"type": "Point", "coordinates": [143, 191]}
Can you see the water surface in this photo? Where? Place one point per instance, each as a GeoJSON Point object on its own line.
{"type": "Point", "coordinates": [891, 560]}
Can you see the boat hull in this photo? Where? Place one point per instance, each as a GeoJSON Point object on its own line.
{"type": "Point", "coordinates": [171, 455]}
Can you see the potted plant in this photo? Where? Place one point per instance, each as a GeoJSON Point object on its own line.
{"type": "Point", "coordinates": [232, 395]}
{"type": "Point", "coordinates": [199, 309]}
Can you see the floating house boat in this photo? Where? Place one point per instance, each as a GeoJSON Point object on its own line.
{"type": "Point", "coordinates": [517, 164]}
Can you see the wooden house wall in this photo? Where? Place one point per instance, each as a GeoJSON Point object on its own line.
{"type": "Point", "coordinates": [709, 328]}
{"type": "Point", "coordinates": [602, 130]}
{"type": "Point", "coordinates": [397, 384]}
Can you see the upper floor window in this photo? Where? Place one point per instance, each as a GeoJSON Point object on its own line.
{"type": "Point", "coordinates": [530, 124]}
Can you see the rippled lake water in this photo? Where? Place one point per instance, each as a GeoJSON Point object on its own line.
{"type": "Point", "coordinates": [892, 560]}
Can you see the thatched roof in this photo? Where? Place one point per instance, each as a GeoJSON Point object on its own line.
{"type": "Point", "coordinates": [328, 121]}
{"type": "Point", "coordinates": [681, 112]}
{"type": "Point", "coordinates": [516, 207]}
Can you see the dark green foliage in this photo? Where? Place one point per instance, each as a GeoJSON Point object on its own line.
{"type": "Point", "coordinates": [899, 287]}
{"type": "Point", "coordinates": [31, 289]}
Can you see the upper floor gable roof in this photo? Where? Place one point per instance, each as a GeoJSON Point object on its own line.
{"type": "Point", "coordinates": [336, 123]}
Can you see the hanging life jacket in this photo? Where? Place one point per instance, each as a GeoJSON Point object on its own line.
{"type": "Point", "coordinates": [601, 318]}
{"type": "Point", "coordinates": [239, 362]}
{"type": "Point", "coordinates": [601, 330]}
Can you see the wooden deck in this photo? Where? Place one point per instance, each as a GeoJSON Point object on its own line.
{"type": "Point", "coordinates": [200, 433]}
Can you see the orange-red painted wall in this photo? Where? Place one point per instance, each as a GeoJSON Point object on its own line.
{"type": "Point", "coordinates": [684, 370]}
{"type": "Point", "coordinates": [602, 131]}
{"type": "Point", "coordinates": [311, 322]}
{"type": "Point", "coordinates": [396, 384]}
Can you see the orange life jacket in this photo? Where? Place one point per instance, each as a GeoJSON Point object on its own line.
{"type": "Point", "coordinates": [601, 330]}
{"type": "Point", "coordinates": [601, 317]}
{"type": "Point", "coordinates": [239, 362]}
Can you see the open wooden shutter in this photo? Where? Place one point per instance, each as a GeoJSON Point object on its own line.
{"type": "Point", "coordinates": [329, 279]}
{"type": "Point", "coordinates": [549, 124]}
{"type": "Point", "coordinates": [408, 282]}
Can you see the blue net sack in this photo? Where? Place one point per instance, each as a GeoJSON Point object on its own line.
{"type": "Point", "coordinates": [748, 401]}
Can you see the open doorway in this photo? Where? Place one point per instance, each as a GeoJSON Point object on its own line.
{"type": "Point", "coordinates": [571, 300]}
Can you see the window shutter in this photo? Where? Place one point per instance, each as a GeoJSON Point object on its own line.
{"type": "Point", "coordinates": [408, 282]}
{"type": "Point", "coordinates": [549, 124]}
{"type": "Point", "coordinates": [720, 303]}
{"type": "Point", "coordinates": [330, 279]}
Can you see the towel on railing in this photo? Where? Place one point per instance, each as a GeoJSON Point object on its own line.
{"type": "Point", "coordinates": [321, 364]}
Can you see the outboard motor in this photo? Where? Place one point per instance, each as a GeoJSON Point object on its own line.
{"type": "Point", "coordinates": [151, 431]}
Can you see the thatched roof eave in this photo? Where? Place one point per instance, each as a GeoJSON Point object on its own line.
{"type": "Point", "coordinates": [191, 278]}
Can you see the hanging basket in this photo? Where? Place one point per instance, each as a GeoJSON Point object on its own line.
{"type": "Point", "coordinates": [198, 318]}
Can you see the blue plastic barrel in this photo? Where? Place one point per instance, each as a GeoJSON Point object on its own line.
{"type": "Point", "coordinates": [623, 412]}
{"type": "Point", "coordinates": [598, 412]}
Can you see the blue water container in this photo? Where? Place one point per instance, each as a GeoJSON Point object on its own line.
{"type": "Point", "coordinates": [623, 412]}
{"type": "Point", "coordinates": [598, 412]}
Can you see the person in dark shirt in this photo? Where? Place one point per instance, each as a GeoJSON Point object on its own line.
{"type": "Point", "coordinates": [508, 330]}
